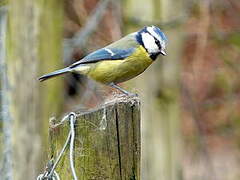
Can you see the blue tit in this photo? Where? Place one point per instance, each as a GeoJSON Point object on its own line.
{"type": "Point", "coordinates": [121, 60]}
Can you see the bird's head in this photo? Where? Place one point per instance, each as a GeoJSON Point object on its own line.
{"type": "Point", "coordinates": [153, 40]}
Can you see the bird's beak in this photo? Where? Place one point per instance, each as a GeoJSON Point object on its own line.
{"type": "Point", "coordinates": [163, 52]}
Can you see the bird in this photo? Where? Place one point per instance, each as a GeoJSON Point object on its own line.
{"type": "Point", "coordinates": [121, 60]}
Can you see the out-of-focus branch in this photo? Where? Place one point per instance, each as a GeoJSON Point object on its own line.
{"type": "Point", "coordinates": [198, 66]}
{"type": "Point", "coordinates": [164, 25]}
{"type": "Point", "coordinates": [173, 23]}
{"type": "Point", "coordinates": [192, 106]}
{"type": "Point", "coordinates": [81, 37]}
{"type": "Point", "coordinates": [221, 100]}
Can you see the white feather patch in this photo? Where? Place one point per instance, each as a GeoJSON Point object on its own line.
{"type": "Point", "coordinates": [153, 33]}
{"type": "Point", "coordinates": [110, 51]}
{"type": "Point", "coordinates": [149, 43]}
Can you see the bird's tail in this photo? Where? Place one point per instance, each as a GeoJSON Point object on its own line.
{"type": "Point", "coordinates": [55, 73]}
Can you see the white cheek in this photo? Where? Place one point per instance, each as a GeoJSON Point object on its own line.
{"type": "Point", "coordinates": [149, 43]}
{"type": "Point", "coordinates": [162, 42]}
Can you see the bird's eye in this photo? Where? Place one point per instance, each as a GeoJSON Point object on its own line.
{"type": "Point", "coordinates": [158, 43]}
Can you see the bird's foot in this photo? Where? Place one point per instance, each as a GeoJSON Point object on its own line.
{"type": "Point", "coordinates": [131, 94]}
{"type": "Point", "coordinates": [123, 90]}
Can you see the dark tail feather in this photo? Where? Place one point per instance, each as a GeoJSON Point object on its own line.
{"type": "Point", "coordinates": [53, 74]}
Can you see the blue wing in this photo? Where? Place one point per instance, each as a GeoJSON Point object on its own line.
{"type": "Point", "coordinates": [105, 54]}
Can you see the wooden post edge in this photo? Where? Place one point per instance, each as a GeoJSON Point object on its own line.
{"type": "Point", "coordinates": [107, 142]}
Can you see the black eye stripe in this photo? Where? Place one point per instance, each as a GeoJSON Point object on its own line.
{"type": "Point", "coordinates": [158, 43]}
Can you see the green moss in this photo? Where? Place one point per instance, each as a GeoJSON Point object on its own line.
{"type": "Point", "coordinates": [234, 39]}
{"type": "Point", "coordinates": [104, 138]}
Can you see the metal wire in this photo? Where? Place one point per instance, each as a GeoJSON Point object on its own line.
{"type": "Point", "coordinates": [60, 155]}
{"type": "Point", "coordinates": [50, 173]}
{"type": "Point", "coordinates": [72, 117]}
{"type": "Point", "coordinates": [44, 176]}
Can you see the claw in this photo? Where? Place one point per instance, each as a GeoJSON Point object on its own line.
{"type": "Point", "coordinates": [123, 90]}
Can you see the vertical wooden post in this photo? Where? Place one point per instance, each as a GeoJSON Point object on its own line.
{"type": "Point", "coordinates": [22, 61]}
{"type": "Point", "coordinates": [107, 142]}
{"type": "Point", "coordinates": [6, 159]}
{"type": "Point", "coordinates": [28, 35]}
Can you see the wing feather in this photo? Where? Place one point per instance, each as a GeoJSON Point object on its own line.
{"type": "Point", "coordinates": [105, 54]}
{"type": "Point", "coordinates": [115, 51]}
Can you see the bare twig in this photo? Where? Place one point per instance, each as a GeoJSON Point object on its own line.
{"type": "Point", "coordinates": [81, 37]}
{"type": "Point", "coordinates": [193, 107]}
{"type": "Point", "coordinates": [164, 25]}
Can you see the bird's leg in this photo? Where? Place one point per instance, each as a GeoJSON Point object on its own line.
{"type": "Point", "coordinates": [122, 90]}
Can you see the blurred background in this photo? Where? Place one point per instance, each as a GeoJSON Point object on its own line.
{"type": "Point", "coordinates": [190, 98]}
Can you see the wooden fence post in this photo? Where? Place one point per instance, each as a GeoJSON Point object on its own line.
{"type": "Point", "coordinates": [107, 142]}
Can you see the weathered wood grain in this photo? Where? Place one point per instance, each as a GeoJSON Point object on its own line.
{"type": "Point", "coordinates": [33, 42]}
{"type": "Point", "coordinates": [107, 144]}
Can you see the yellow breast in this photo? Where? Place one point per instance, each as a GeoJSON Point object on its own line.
{"type": "Point", "coordinates": [117, 71]}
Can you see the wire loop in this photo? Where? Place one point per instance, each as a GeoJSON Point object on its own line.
{"type": "Point", "coordinates": [50, 173]}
